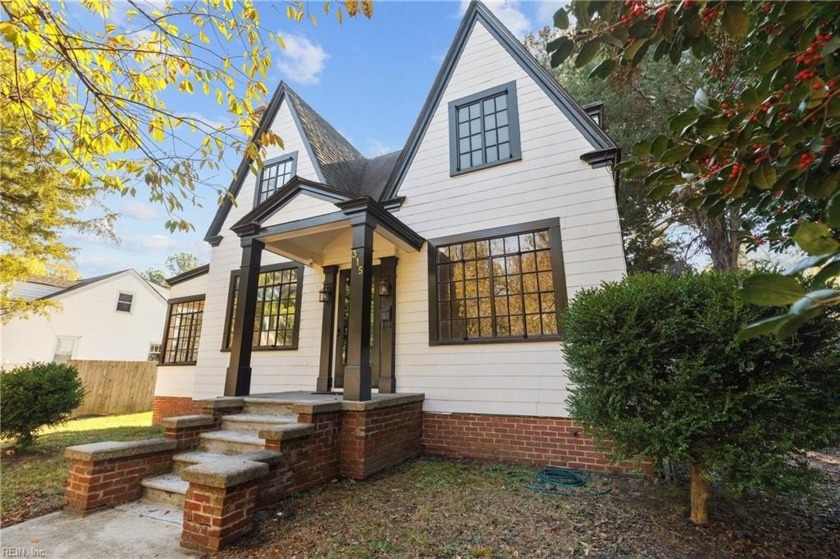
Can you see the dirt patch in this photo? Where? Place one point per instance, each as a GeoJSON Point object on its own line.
{"type": "Point", "coordinates": [446, 508]}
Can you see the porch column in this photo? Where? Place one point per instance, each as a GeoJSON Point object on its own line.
{"type": "Point", "coordinates": [238, 379]}
{"type": "Point", "coordinates": [357, 370]}
{"type": "Point", "coordinates": [327, 322]}
{"type": "Point", "coordinates": [387, 338]}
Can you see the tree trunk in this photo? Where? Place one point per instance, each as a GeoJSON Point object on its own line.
{"type": "Point", "coordinates": [720, 236]}
{"type": "Point", "coordinates": [699, 495]}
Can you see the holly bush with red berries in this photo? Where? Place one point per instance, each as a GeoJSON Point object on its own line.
{"type": "Point", "coordinates": [762, 135]}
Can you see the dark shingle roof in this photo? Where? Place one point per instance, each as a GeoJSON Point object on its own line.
{"type": "Point", "coordinates": [82, 283]}
{"type": "Point", "coordinates": [342, 165]}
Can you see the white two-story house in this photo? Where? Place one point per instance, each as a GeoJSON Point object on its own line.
{"type": "Point", "coordinates": [440, 269]}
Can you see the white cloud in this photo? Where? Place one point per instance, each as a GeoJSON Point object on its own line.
{"type": "Point", "coordinates": [545, 12]}
{"type": "Point", "coordinates": [302, 61]}
{"type": "Point", "coordinates": [149, 243]}
{"type": "Point", "coordinates": [139, 210]}
{"type": "Point", "coordinates": [376, 148]}
{"type": "Point", "coordinates": [509, 13]}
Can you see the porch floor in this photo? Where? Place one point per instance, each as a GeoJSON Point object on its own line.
{"type": "Point", "coordinates": [303, 397]}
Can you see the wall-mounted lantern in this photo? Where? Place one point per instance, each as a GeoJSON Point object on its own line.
{"type": "Point", "coordinates": [384, 287]}
{"type": "Point", "coordinates": [325, 295]}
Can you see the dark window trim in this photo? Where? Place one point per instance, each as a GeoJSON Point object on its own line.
{"type": "Point", "coordinates": [292, 156]}
{"type": "Point", "coordinates": [298, 302]}
{"type": "Point", "coordinates": [513, 125]}
{"type": "Point", "coordinates": [130, 303]}
{"type": "Point", "coordinates": [557, 270]}
{"type": "Point", "coordinates": [170, 304]}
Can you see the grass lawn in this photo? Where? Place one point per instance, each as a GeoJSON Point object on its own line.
{"type": "Point", "coordinates": [32, 481]}
{"type": "Point", "coordinates": [447, 508]}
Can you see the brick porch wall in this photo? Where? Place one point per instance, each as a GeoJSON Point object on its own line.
{"type": "Point", "coordinates": [525, 439]}
{"type": "Point", "coordinates": [172, 406]}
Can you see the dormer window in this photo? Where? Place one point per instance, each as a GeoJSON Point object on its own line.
{"type": "Point", "coordinates": [276, 173]}
{"type": "Point", "coordinates": [484, 129]}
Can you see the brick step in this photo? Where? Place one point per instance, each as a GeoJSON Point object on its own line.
{"type": "Point", "coordinates": [268, 406]}
{"type": "Point", "coordinates": [230, 442]}
{"type": "Point", "coordinates": [168, 489]}
{"type": "Point", "coordinates": [187, 459]}
{"type": "Point", "coordinates": [254, 423]}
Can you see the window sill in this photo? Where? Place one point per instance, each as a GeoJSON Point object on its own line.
{"type": "Point", "coordinates": [477, 341]}
{"type": "Point", "coordinates": [278, 348]}
{"type": "Point", "coordinates": [453, 173]}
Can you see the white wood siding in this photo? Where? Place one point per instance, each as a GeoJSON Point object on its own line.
{"type": "Point", "coordinates": [272, 370]}
{"type": "Point", "coordinates": [551, 181]}
{"type": "Point", "coordinates": [29, 290]}
{"type": "Point", "coordinates": [301, 206]}
{"type": "Point", "coordinates": [89, 314]}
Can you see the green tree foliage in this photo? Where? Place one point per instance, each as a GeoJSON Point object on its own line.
{"type": "Point", "coordinates": [91, 92]}
{"type": "Point", "coordinates": [765, 145]}
{"type": "Point", "coordinates": [177, 263]}
{"type": "Point", "coordinates": [37, 203]}
{"type": "Point", "coordinates": [658, 373]}
{"type": "Point", "coordinates": [38, 395]}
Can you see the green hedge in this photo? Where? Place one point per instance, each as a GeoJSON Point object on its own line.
{"type": "Point", "coordinates": [35, 396]}
{"type": "Point", "coordinates": [658, 373]}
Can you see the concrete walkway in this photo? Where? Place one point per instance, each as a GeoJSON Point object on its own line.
{"type": "Point", "coordinates": [132, 531]}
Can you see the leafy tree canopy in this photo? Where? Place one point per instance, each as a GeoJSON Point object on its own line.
{"type": "Point", "coordinates": [764, 141]}
{"type": "Point", "coordinates": [177, 263]}
{"type": "Point", "coordinates": [84, 111]}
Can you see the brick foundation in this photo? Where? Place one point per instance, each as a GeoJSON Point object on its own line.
{"type": "Point", "coordinates": [524, 439]}
{"type": "Point", "coordinates": [172, 406]}
{"type": "Point", "coordinates": [106, 474]}
{"type": "Point", "coordinates": [375, 439]}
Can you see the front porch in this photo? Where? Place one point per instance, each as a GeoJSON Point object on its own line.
{"type": "Point", "coordinates": [356, 249]}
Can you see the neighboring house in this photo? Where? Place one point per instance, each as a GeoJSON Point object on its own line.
{"type": "Point", "coordinates": [439, 269]}
{"type": "Point", "coordinates": [114, 317]}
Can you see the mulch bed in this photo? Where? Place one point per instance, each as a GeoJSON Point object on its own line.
{"type": "Point", "coordinates": [444, 508]}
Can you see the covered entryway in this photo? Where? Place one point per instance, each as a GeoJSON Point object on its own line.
{"type": "Point", "coordinates": [359, 301]}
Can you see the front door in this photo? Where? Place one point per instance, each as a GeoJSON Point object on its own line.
{"type": "Point", "coordinates": [343, 298]}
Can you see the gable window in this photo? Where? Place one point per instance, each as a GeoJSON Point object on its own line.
{"type": "Point", "coordinates": [484, 129]}
{"type": "Point", "coordinates": [183, 331]}
{"type": "Point", "coordinates": [276, 173]}
{"type": "Point", "coordinates": [124, 302]}
{"type": "Point", "coordinates": [277, 317]}
{"type": "Point", "coordinates": [505, 284]}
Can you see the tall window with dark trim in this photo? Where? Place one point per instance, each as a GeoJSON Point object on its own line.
{"type": "Point", "coordinates": [274, 175]}
{"type": "Point", "coordinates": [497, 288]}
{"type": "Point", "coordinates": [484, 129]}
{"type": "Point", "coordinates": [277, 316]}
{"type": "Point", "coordinates": [183, 331]}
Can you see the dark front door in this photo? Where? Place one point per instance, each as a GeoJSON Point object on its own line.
{"type": "Point", "coordinates": [343, 299]}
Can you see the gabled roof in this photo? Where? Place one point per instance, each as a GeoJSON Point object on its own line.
{"type": "Point", "coordinates": [96, 279]}
{"type": "Point", "coordinates": [479, 12]}
{"type": "Point", "coordinates": [341, 167]}
{"type": "Point", "coordinates": [338, 164]}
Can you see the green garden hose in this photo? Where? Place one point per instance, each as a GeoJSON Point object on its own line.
{"type": "Point", "coordinates": [565, 482]}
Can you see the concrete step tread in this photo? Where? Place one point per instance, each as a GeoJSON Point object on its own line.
{"type": "Point", "coordinates": [199, 456]}
{"type": "Point", "coordinates": [232, 437]}
{"type": "Point", "coordinates": [167, 482]}
{"type": "Point", "coordinates": [260, 418]}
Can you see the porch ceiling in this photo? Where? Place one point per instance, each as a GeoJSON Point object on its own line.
{"type": "Point", "coordinates": [319, 245]}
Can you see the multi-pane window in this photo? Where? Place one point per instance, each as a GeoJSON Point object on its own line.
{"type": "Point", "coordinates": [273, 176]}
{"type": "Point", "coordinates": [498, 287]}
{"type": "Point", "coordinates": [277, 311]}
{"type": "Point", "coordinates": [183, 331]}
{"type": "Point", "coordinates": [124, 302]}
{"type": "Point", "coordinates": [484, 129]}
{"type": "Point", "coordinates": [154, 351]}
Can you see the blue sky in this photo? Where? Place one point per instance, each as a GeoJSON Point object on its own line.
{"type": "Point", "coordinates": [368, 78]}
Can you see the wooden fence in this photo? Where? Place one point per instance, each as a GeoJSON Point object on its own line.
{"type": "Point", "coordinates": [116, 387]}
